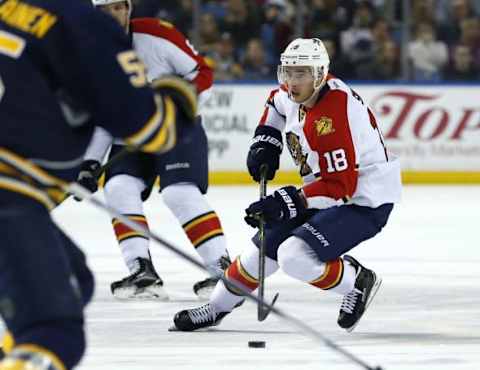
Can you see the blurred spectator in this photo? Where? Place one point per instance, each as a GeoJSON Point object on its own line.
{"type": "Point", "coordinates": [423, 11]}
{"type": "Point", "coordinates": [361, 45]}
{"type": "Point", "coordinates": [381, 32]}
{"type": "Point", "coordinates": [388, 62]}
{"type": "Point", "coordinates": [444, 9]}
{"type": "Point", "coordinates": [225, 63]}
{"type": "Point", "coordinates": [323, 21]}
{"type": "Point", "coordinates": [208, 34]}
{"type": "Point", "coordinates": [275, 32]}
{"type": "Point", "coordinates": [216, 8]}
{"type": "Point", "coordinates": [339, 66]}
{"type": "Point", "coordinates": [462, 67]}
{"type": "Point", "coordinates": [241, 21]}
{"type": "Point", "coordinates": [255, 64]}
{"type": "Point", "coordinates": [427, 55]}
{"type": "Point", "coordinates": [182, 14]}
{"type": "Point", "coordinates": [470, 37]}
{"type": "Point", "coordinates": [385, 65]}
{"type": "Point", "coordinates": [449, 29]}
{"type": "Point", "coordinates": [360, 32]}
{"type": "Point", "coordinates": [392, 11]}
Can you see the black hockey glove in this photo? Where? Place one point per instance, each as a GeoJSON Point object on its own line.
{"type": "Point", "coordinates": [266, 149]}
{"type": "Point", "coordinates": [181, 92]}
{"type": "Point", "coordinates": [284, 204]}
{"type": "Point", "coordinates": [88, 176]}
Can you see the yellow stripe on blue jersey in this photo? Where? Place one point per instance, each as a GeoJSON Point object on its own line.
{"type": "Point", "coordinates": [29, 169]}
{"type": "Point", "coordinates": [11, 45]}
{"type": "Point", "coordinates": [158, 135]}
{"type": "Point", "coordinates": [29, 354]}
{"type": "Point", "coordinates": [21, 176]}
{"type": "Point", "coordinates": [27, 18]}
{"type": "Point", "coordinates": [28, 190]}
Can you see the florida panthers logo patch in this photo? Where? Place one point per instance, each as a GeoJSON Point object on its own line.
{"type": "Point", "coordinates": [324, 126]}
{"type": "Point", "coordinates": [297, 154]}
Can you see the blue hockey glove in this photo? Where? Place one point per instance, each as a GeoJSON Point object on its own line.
{"type": "Point", "coordinates": [266, 149]}
{"type": "Point", "coordinates": [88, 176]}
{"type": "Point", "coordinates": [284, 204]}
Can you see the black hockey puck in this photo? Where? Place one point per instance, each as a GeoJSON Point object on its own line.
{"type": "Point", "coordinates": [256, 344]}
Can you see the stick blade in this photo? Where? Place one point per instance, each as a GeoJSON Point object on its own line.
{"type": "Point", "coordinates": [264, 311]}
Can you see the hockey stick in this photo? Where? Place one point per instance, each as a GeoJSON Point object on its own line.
{"type": "Point", "coordinates": [47, 181]}
{"type": "Point", "coordinates": [97, 174]}
{"type": "Point", "coordinates": [113, 160]}
{"type": "Point", "coordinates": [263, 310]}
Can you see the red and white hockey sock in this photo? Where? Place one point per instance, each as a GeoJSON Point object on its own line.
{"type": "Point", "coordinates": [244, 272]}
{"type": "Point", "coordinates": [198, 219]}
{"type": "Point", "coordinates": [123, 192]}
{"type": "Point", "coordinates": [223, 298]}
{"type": "Point", "coordinates": [133, 244]}
{"type": "Point", "coordinates": [298, 260]}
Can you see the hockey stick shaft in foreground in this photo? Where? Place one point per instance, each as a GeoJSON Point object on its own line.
{"type": "Point", "coordinates": [48, 181]}
{"type": "Point", "coordinates": [262, 309]}
{"type": "Point", "coordinates": [315, 335]}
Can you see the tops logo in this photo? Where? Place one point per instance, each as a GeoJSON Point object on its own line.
{"type": "Point", "coordinates": [428, 116]}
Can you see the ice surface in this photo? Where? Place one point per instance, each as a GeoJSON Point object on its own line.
{"type": "Point", "coordinates": [425, 316]}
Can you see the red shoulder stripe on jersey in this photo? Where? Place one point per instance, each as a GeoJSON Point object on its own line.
{"type": "Point", "coordinates": [167, 31]}
{"type": "Point", "coordinates": [263, 119]}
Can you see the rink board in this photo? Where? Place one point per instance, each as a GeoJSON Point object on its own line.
{"type": "Point", "coordinates": [434, 129]}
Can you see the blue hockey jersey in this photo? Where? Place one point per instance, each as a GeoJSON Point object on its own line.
{"type": "Point", "coordinates": [64, 65]}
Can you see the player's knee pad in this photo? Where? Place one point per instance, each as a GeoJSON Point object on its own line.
{"type": "Point", "coordinates": [249, 261]}
{"type": "Point", "coordinates": [298, 260]}
{"type": "Point", "coordinates": [184, 197]}
{"type": "Point", "coordinates": [124, 192]}
{"type": "Point", "coordinates": [119, 185]}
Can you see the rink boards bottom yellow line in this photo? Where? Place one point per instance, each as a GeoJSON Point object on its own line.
{"type": "Point", "coordinates": [408, 177]}
{"type": "Point", "coordinates": [292, 177]}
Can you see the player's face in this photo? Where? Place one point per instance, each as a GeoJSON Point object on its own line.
{"type": "Point", "coordinates": [299, 81]}
{"type": "Point", "coordinates": [119, 11]}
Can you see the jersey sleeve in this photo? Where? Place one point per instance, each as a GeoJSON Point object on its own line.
{"type": "Point", "coordinates": [95, 63]}
{"type": "Point", "coordinates": [99, 145]}
{"type": "Point", "coordinates": [170, 44]}
{"type": "Point", "coordinates": [331, 138]}
{"type": "Point", "coordinates": [274, 113]}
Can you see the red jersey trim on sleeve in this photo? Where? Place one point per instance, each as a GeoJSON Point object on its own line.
{"type": "Point", "coordinates": [270, 103]}
{"type": "Point", "coordinates": [167, 31]}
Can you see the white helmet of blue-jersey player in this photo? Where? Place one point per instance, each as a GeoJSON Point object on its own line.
{"type": "Point", "coordinates": [305, 53]}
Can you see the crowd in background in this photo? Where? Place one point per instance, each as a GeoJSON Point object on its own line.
{"type": "Point", "coordinates": [243, 39]}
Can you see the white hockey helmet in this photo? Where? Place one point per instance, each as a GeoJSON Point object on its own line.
{"type": "Point", "coordinates": [108, 2]}
{"type": "Point", "coordinates": [305, 52]}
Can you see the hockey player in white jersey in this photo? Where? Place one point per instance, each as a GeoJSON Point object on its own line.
{"type": "Point", "coordinates": [350, 185]}
{"type": "Point", "coordinates": [183, 172]}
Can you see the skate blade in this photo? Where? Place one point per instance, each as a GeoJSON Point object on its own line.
{"type": "Point", "coordinates": [149, 293]}
{"type": "Point", "coordinates": [373, 292]}
{"type": "Point", "coordinates": [173, 328]}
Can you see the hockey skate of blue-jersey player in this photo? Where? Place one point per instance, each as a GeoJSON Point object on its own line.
{"type": "Point", "coordinates": [53, 84]}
